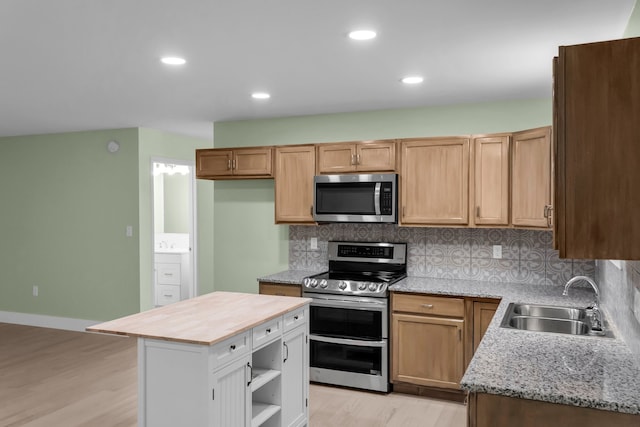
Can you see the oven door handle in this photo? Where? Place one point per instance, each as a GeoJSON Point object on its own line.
{"type": "Point", "coordinates": [352, 304]}
{"type": "Point", "coordinates": [347, 341]}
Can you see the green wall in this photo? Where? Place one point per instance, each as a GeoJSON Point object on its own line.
{"type": "Point", "coordinates": [248, 244]}
{"type": "Point", "coordinates": [66, 202]}
{"type": "Point", "coordinates": [157, 144]}
{"type": "Point", "coordinates": [633, 27]}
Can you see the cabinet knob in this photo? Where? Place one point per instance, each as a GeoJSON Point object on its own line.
{"type": "Point", "coordinates": [232, 347]}
{"type": "Point", "coordinates": [268, 330]}
{"type": "Point", "coordinates": [427, 305]}
{"type": "Point", "coordinates": [295, 317]}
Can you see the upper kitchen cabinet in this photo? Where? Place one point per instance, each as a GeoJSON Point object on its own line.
{"type": "Point", "coordinates": [366, 156]}
{"type": "Point", "coordinates": [597, 150]}
{"type": "Point", "coordinates": [294, 171]}
{"type": "Point", "coordinates": [489, 186]}
{"type": "Point", "coordinates": [531, 178]}
{"type": "Point", "coordinates": [435, 181]}
{"type": "Point", "coordinates": [236, 163]}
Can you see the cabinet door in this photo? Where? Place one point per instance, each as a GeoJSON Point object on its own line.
{"type": "Point", "coordinates": [597, 100]}
{"type": "Point", "coordinates": [213, 162]}
{"type": "Point", "coordinates": [294, 171]}
{"type": "Point", "coordinates": [482, 314]}
{"type": "Point", "coordinates": [435, 181]}
{"type": "Point", "coordinates": [252, 161]}
{"type": "Point", "coordinates": [336, 158]}
{"type": "Point", "coordinates": [427, 351]}
{"type": "Point", "coordinates": [531, 178]}
{"type": "Point", "coordinates": [230, 394]}
{"type": "Point", "coordinates": [376, 156]}
{"type": "Point", "coordinates": [294, 378]}
{"type": "Point", "coordinates": [490, 180]}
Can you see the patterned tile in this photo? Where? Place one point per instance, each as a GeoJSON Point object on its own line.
{"type": "Point", "coordinates": [531, 271]}
{"type": "Point", "coordinates": [483, 239]}
{"type": "Point", "coordinates": [534, 245]}
{"type": "Point", "coordinates": [558, 271]}
{"type": "Point", "coordinates": [583, 267]}
{"type": "Point", "coordinates": [416, 265]}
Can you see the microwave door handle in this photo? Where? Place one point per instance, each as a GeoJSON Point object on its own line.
{"type": "Point", "coordinates": [376, 197]}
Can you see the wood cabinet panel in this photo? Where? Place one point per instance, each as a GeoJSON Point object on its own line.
{"type": "Point", "coordinates": [280, 289]}
{"type": "Point", "coordinates": [435, 180]}
{"type": "Point", "coordinates": [597, 110]}
{"type": "Point", "coordinates": [427, 350]}
{"type": "Point", "coordinates": [483, 313]}
{"type": "Point", "coordinates": [376, 156]}
{"type": "Point", "coordinates": [531, 178]}
{"type": "Point", "coordinates": [488, 410]}
{"type": "Point", "coordinates": [237, 163]}
{"type": "Point", "coordinates": [365, 156]}
{"type": "Point", "coordinates": [294, 172]}
{"type": "Point", "coordinates": [490, 180]}
{"type": "Point", "coordinates": [336, 158]}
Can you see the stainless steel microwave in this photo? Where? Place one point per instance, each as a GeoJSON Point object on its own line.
{"type": "Point", "coordinates": [356, 198]}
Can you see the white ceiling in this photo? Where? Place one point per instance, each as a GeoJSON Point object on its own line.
{"type": "Point", "coordinates": [72, 65]}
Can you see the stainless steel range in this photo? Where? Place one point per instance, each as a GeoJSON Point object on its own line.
{"type": "Point", "coordinates": [349, 323]}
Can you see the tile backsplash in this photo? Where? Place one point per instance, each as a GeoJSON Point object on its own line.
{"type": "Point", "coordinates": [452, 253]}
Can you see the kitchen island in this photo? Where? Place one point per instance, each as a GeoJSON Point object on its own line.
{"type": "Point", "coordinates": [221, 359]}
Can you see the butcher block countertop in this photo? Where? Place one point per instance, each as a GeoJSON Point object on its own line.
{"type": "Point", "coordinates": [204, 320]}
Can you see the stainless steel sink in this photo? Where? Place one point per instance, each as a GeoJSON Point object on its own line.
{"type": "Point", "coordinates": [547, 318]}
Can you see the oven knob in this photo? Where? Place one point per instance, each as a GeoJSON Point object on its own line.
{"type": "Point", "coordinates": [362, 286]}
{"type": "Point", "coordinates": [342, 285]}
{"type": "Point", "coordinates": [323, 283]}
{"type": "Point", "coordinates": [373, 287]}
{"type": "Point", "coordinates": [313, 283]}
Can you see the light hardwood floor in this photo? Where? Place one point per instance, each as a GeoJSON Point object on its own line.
{"type": "Point", "coordinates": [55, 378]}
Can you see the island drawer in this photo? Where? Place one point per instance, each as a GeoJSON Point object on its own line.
{"type": "Point", "coordinates": [295, 318]}
{"type": "Point", "coordinates": [428, 304]}
{"type": "Point", "coordinates": [267, 332]}
{"type": "Point", "coordinates": [230, 349]}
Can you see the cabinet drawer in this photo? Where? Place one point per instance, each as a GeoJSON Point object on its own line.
{"type": "Point", "coordinates": [427, 304]}
{"type": "Point", "coordinates": [230, 349]}
{"type": "Point", "coordinates": [267, 332]}
{"type": "Point", "coordinates": [167, 294]}
{"type": "Point", "coordinates": [294, 319]}
{"type": "Point", "coordinates": [168, 274]}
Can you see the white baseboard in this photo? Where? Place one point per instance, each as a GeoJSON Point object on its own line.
{"type": "Point", "coordinates": [44, 321]}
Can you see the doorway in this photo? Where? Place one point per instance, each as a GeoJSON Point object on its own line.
{"type": "Point", "coordinates": [174, 234]}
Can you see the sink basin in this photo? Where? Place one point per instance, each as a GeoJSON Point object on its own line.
{"type": "Point", "coordinates": [548, 318]}
{"type": "Point", "coordinates": [543, 324]}
{"type": "Point", "coordinates": [553, 312]}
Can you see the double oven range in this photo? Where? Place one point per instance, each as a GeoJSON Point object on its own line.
{"type": "Point", "coordinates": [349, 314]}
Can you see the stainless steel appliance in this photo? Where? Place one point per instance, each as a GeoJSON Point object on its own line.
{"type": "Point", "coordinates": [349, 314]}
{"type": "Point", "coordinates": [356, 198]}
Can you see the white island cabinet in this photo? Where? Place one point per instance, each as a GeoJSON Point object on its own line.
{"type": "Point", "coordinates": [221, 359]}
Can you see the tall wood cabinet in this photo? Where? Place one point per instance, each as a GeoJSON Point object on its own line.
{"type": "Point", "coordinates": [294, 171]}
{"type": "Point", "coordinates": [489, 187]}
{"type": "Point", "coordinates": [434, 181]}
{"type": "Point", "coordinates": [597, 128]}
{"type": "Point", "coordinates": [222, 163]}
{"type": "Point", "coordinates": [531, 178]}
{"type": "Point", "coordinates": [365, 156]}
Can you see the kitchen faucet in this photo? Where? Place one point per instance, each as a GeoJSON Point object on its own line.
{"type": "Point", "coordinates": [595, 308]}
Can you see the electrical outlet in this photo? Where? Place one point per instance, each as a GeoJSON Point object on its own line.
{"type": "Point", "coordinates": [313, 243]}
{"type": "Point", "coordinates": [35, 290]}
{"type": "Point", "coordinates": [497, 251]}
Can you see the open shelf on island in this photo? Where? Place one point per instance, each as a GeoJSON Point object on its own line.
{"type": "Point", "coordinates": [262, 376]}
{"type": "Point", "coordinates": [261, 412]}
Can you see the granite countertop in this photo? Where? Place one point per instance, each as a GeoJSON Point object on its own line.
{"type": "Point", "coordinates": [591, 372]}
{"type": "Point", "coordinates": [203, 320]}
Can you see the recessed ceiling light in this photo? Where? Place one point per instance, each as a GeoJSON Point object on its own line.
{"type": "Point", "coordinates": [260, 95]}
{"type": "Point", "coordinates": [412, 80]}
{"type": "Point", "coordinates": [362, 35]}
{"type": "Point", "coordinates": [173, 60]}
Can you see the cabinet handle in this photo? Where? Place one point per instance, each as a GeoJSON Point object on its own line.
{"type": "Point", "coordinates": [459, 334]}
{"type": "Point", "coordinates": [234, 164]}
{"type": "Point", "coordinates": [229, 164]}
{"type": "Point", "coordinates": [295, 317]}
{"type": "Point", "coordinates": [427, 305]}
{"type": "Point", "coordinates": [268, 330]}
{"type": "Point", "coordinates": [286, 347]}
{"type": "Point", "coordinates": [547, 214]}
{"type": "Point", "coordinates": [404, 211]}
{"type": "Point", "coordinates": [250, 374]}
{"type": "Point", "coordinates": [311, 210]}
{"type": "Point", "coordinates": [478, 211]}
{"type": "Point", "coordinates": [353, 159]}
{"type": "Point", "coordinates": [232, 347]}
{"type": "Point", "coordinates": [357, 159]}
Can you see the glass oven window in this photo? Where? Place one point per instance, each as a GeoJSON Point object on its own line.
{"type": "Point", "coordinates": [346, 323]}
{"type": "Point", "coordinates": [349, 358]}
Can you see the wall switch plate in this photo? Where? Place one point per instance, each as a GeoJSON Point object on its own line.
{"type": "Point", "coordinates": [35, 290]}
{"type": "Point", "coordinates": [313, 243]}
{"type": "Point", "coordinates": [129, 231]}
{"type": "Point", "coordinates": [497, 251]}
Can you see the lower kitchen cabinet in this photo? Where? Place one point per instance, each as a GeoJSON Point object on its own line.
{"type": "Point", "coordinates": [427, 340]}
{"type": "Point", "coordinates": [280, 289]}
{"type": "Point", "coordinates": [489, 410]}
{"type": "Point", "coordinates": [483, 313]}
{"type": "Point", "coordinates": [295, 378]}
